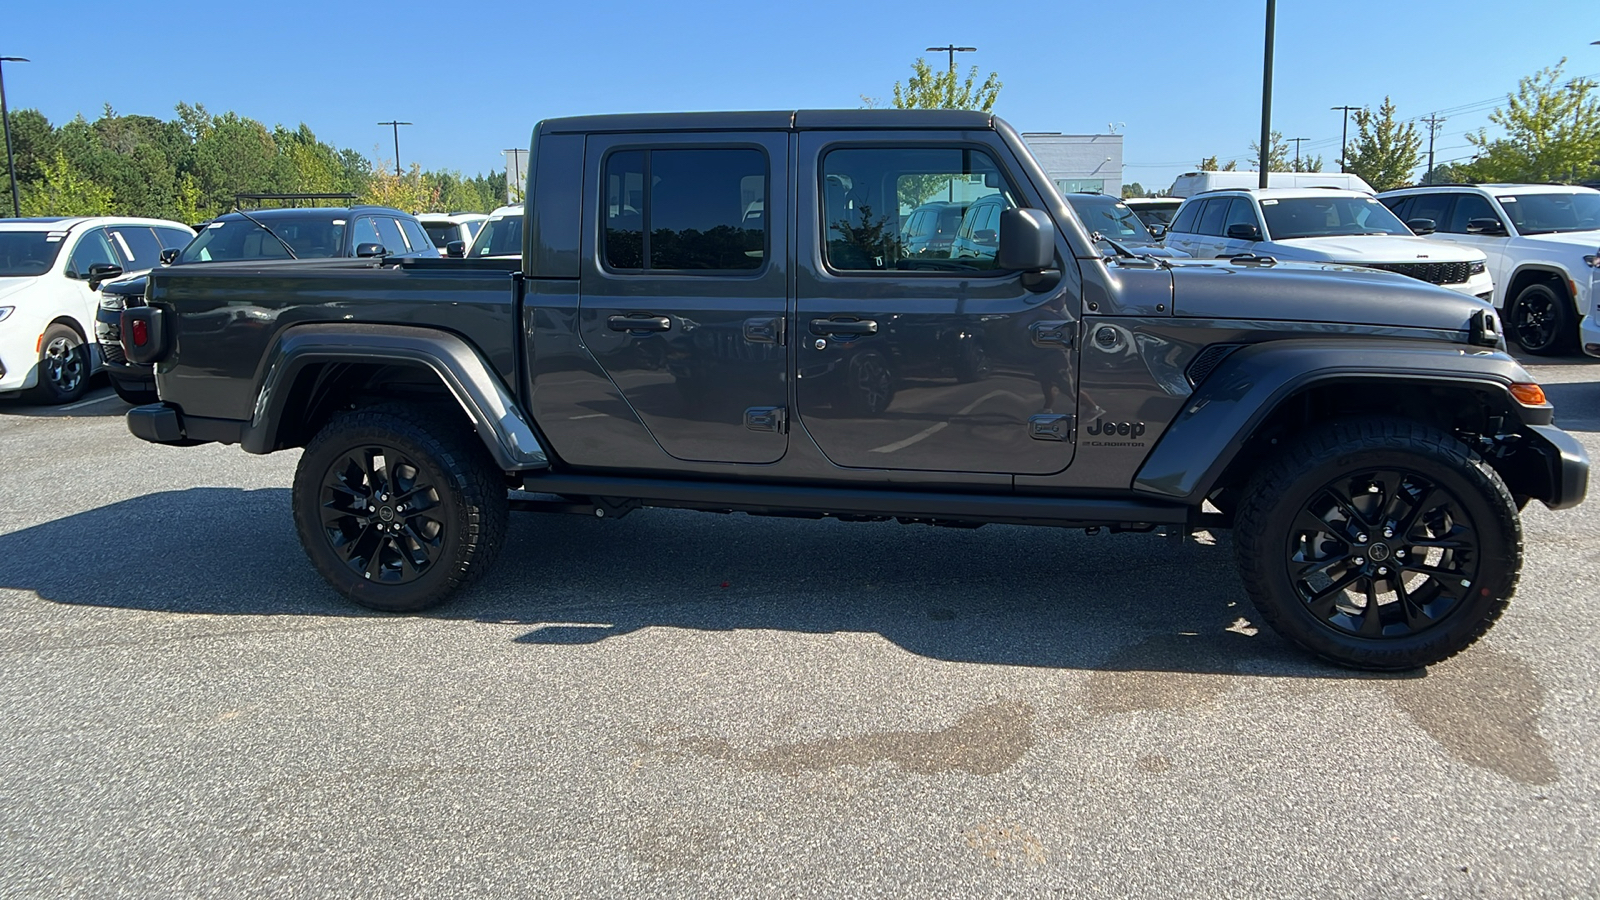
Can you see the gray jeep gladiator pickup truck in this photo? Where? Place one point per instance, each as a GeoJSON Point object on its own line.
{"type": "Point", "coordinates": [720, 312]}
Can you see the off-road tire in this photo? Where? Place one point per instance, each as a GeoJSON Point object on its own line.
{"type": "Point", "coordinates": [1542, 322]}
{"type": "Point", "coordinates": [459, 506]}
{"type": "Point", "coordinates": [1439, 483]}
{"type": "Point", "coordinates": [64, 367]}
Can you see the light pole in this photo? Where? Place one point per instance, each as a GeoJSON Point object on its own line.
{"type": "Point", "coordinates": [1266, 93]}
{"type": "Point", "coordinates": [1344, 135]}
{"type": "Point", "coordinates": [5, 121]}
{"type": "Point", "coordinates": [952, 49]}
{"type": "Point", "coordinates": [396, 126]}
{"type": "Point", "coordinates": [1297, 151]}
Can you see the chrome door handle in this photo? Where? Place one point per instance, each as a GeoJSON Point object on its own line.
{"type": "Point", "coordinates": [843, 326]}
{"type": "Point", "coordinates": [639, 323]}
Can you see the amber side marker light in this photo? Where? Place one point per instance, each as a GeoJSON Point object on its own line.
{"type": "Point", "coordinates": [1528, 394]}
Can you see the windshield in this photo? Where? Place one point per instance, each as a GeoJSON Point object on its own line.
{"type": "Point", "coordinates": [1109, 216]}
{"type": "Point", "coordinates": [1308, 217]}
{"type": "Point", "coordinates": [231, 239]}
{"type": "Point", "coordinates": [1553, 213]}
{"type": "Point", "coordinates": [25, 253]}
{"type": "Point", "coordinates": [499, 237]}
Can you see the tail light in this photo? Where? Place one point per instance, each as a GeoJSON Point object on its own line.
{"type": "Point", "coordinates": [144, 334]}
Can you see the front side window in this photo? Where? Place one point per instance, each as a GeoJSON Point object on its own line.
{"type": "Point", "coordinates": [1307, 217]}
{"type": "Point", "coordinates": [1553, 213]}
{"type": "Point", "coordinates": [1241, 212]}
{"type": "Point", "coordinates": [1429, 206]}
{"type": "Point", "coordinates": [698, 210]}
{"type": "Point", "coordinates": [93, 249]}
{"type": "Point", "coordinates": [172, 238]}
{"type": "Point", "coordinates": [27, 253]}
{"type": "Point", "coordinates": [1183, 222]}
{"type": "Point", "coordinates": [499, 237]}
{"type": "Point", "coordinates": [869, 195]}
{"type": "Point", "coordinates": [138, 245]}
{"type": "Point", "coordinates": [415, 236]}
{"type": "Point", "coordinates": [1469, 207]}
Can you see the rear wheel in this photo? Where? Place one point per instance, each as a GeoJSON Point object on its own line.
{"type": "Point", "coordinates": [63, 367]}
{"type": "Point", "coordinates": [398, 508]}
{"type": "Point", "coordinates": [1379, 544]}
{"type": "Point", "coordinates": [1542, 321]}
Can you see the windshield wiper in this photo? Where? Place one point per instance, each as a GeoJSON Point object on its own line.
{"type": "Point", "coordinates": [1124, 252]}
{"type": "Point", "coordinates": [288, 249]}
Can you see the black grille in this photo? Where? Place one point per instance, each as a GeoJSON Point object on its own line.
{"type": "Point", "coordinates": [1433, 272]}
{"type": "Point", "coordinates": [1207, 360]}
{"type": "Point", "coordinates": [113, 352]}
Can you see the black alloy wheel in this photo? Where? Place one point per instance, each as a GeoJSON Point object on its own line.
{"type": "Point", "coordinates": [871, 384]}
{"type": "Point", "coordinates": [398, 505]}
{"type": "Point", "coordinates": [1378, 543]}
{"type": "Point", "coordinates": [63, 366]}
{"type": "Point", "coordinates": [1541, 320]}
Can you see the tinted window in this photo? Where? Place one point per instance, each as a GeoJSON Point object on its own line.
{"type": "Point", "coordinates": [415, 236]}
{"type": "Point", "coordinates": [1553, 213]}
{"type": "Point", "coordinates": [867, 193]}
{"type": "Point", "coordinates": [1469, 207]}
{"type": "Point", "coordinates": [1429, 206]}
{"type": "Point", "coordinates": [1300, 217]}
{"type": "Point", "coordinates": [364, 231]}
{"type": "Point", "coordinates": [1211, 219]}
{"type": "Point", "coordinates": [138, 246]}
{"type": "Point", "coordinates": [1109, 216]}
{"type": "Point", "coordinates": [27, 252]}
{"type": "Point", "coordinates": [1400, 206]}
{"type": "Point", "coordinates": [704, 210]}
{"type": "Point", "coordinates": [232, 239]}
{"type": "Point", "coordinates": [500, 237]}
{"type": "Point", "coordinates": [389, 235]}
{"type": "Point", "coordinates": [93, 249]}
{"type": "Point", "coordinates": [443, 233]}
{"type": "Point", "coordinates": [1186, 217]}
{"type": "Point", "coordinates": [173, 239]}
{"type": "Point", "coordinates": [1240, 212]}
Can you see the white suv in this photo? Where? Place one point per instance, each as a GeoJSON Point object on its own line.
{"type": "Point", "coordinates": [1543, 244]}
{"type": "Point", "coordinates": [50, 272]}
{"type": "Point", "coordinates": [446, 228]}
{"type": "Point", "coordinates": [1326, 225]}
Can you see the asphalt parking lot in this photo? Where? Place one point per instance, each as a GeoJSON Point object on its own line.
{"type": "Point", "coordinates": [676, 703]}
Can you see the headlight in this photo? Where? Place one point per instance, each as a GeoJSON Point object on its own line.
{"type": "Point", "coordinates": [113, 302]}
{"type": "Point", "coordinates": [5, 312]}
{"type": "Point", "coordinates": [1477, 268]}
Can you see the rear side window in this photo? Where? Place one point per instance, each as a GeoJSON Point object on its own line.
{"type": "Point", "coordinates": [1211, 220]}
{"type": "Point", "coordinates": [138, 246]}
{"type": "Point", "coordinates": [415, 236]}
{"type": "Point", "coordinates": [1184, 223]}
{"type": "Point", "coordinates": [389, 235]}
{"type": "Point", "coordinates": [693, 211]}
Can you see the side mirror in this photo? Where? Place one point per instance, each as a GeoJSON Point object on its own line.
{"type": "Point", "coordinates": [370, 250]}
{"type": "Point", "coordinates": [1243, 231]}
{"type": "Point", "coordinates": [1157, 231]}
{"type": "Point", "coordinates": [1488, 225]}
{"type": "Point", "coordinates": [456, 249]}
{"type": "Point", "coordinates": [102, 272]}
{"type": "Point", "coordinates": [170, 256]}
{"type": "Point", "coordinates": [1027, 241]}
{"type": "Point", "coordinates": [1422, 226]}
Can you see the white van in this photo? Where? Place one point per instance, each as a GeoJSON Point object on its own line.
{"type": "Point", "coordinates": [1190, 183]}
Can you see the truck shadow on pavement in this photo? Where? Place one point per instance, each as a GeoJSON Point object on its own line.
{"type": "Point", "coordinates": [1038, 597]}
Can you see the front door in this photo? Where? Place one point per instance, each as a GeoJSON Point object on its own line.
{"type": "Point", "coordinates": [683, 288]}
{"type": "Point", "coordinates": [912, 356]}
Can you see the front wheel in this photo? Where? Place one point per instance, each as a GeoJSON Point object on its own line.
{"type": "Point", "coordinates": [1541, 321]}
{"type": "Point", "coordinates": [63, 367]}
{"type": "Point", "coordinates": [398, 508]}
{"type": "Point", "coordinates": [1379, 544]}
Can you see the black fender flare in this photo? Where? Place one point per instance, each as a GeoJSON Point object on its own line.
{"type": "Point", "coordinates": [509, 437]}
{"type": "Point", "coordinates": [1244, 389]}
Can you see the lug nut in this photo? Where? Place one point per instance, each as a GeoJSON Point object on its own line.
{"type": "Point", "coordinates": [1383, 570]}
{"type": "Point", "coordinates": [1388, 532]}
{"type": "Point", "coordinates": [1361, 539]}
{"type": "Point", "coordinates": [1399, 553]}
{"type": "Point", "coordinates": [1361, 561]}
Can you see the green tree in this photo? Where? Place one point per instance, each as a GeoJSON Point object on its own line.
{"type": "Point", "coordinates": [66, 191]}
{"type": "Point", "coordinates": [410, 192]}
{"type": "Point", "coordinates": [1552, 132]}
{"type": "Point", "coordinates": [1384, 151]}
{"type": "Point", "coordinates": [1210, 164]}
{"type": "Point", "coordinates": [928, 88]}
{"type": "Point", "coordinates": [234, 155]}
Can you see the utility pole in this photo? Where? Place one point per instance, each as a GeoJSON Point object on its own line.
{"type": "Point", "coordinates": [5, 122]}
{"type": "Point", "coordinates": [1433, 122]}
{"type": "Point", "coordinates": [1344, 135]}
{"type": "Point", "coordinates": [1297, 151]}
{"type": "Point", "coordinates": [396, 126]}
{"type": "Point", "coordinates": [1266, 92]}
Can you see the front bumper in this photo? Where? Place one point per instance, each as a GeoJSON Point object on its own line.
{"type": "Point", "coordinates": [1553, 467]}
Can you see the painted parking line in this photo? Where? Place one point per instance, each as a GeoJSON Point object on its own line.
{"type": "Point", "coordinates": [82, 403]}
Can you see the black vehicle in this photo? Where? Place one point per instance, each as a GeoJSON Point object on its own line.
{"type": "Point", "coordinates": [262, 234]}
{"type": "Point", "coordinates": [1364, 434]}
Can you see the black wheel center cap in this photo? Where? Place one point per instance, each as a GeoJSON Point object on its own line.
{"type": "Point", "coordinates": [1378, 552]}
{"type": "Point", "coordinates": [386, 514]}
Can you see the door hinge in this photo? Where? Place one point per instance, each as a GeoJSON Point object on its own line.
{"type": "Point", "coordinates": [1060, 333]}
{"type": "Point", "coordinates": [1051, 427]}
{"type": "Point", "coordinates": [766, 418]}
{"type": "Point", "coordinates": [764, 330]}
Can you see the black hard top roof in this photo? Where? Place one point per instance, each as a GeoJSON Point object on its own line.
{"type": "Point", "coordinates": [799, 120]}
{"type": "Point", "coordinates": [304, 212]}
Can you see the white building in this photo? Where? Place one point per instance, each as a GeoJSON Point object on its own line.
{"type": "Point", "coordinates": [1079, 162]}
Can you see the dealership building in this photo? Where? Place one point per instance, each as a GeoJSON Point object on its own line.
{"type": "Point", "coordinates": [1079, 162]}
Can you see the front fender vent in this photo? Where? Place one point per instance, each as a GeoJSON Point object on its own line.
{"type": "Point", "coordinates": [1207, 360]}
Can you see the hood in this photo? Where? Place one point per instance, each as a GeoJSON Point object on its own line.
{"type": "Point", "coordinates": [1587, 241]}
{"type": "Point", "coordinates": [10, 286]}
{"type": "Point", "coordinates": [127, 287]}
{"type": "Point", "coordinates": [1297, 292]}
{"type": "Point", "coordinates": [1372, 248]}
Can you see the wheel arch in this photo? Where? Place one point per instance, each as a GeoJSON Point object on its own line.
{"type": "Point", "coordinates": [1531, 273]}
{"type": "Point", "coordinates": [319, 369]}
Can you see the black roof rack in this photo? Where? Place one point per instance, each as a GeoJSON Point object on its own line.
{"type": "Point", "coordinates": [291, 199]}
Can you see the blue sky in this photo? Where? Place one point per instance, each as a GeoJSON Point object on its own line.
{"type": "Point", "coordinates": [1182, 80]}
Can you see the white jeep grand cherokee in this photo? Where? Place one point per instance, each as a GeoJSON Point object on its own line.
{"type": "Point", "coordinates": [1543, 245]}
{"type": "Point", "coordinates": [50, 274]}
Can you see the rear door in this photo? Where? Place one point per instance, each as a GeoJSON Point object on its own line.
{"type": "Point", "coordinates": [684, 288]}
{"type": "Point", "coordinates": [915, 363]}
